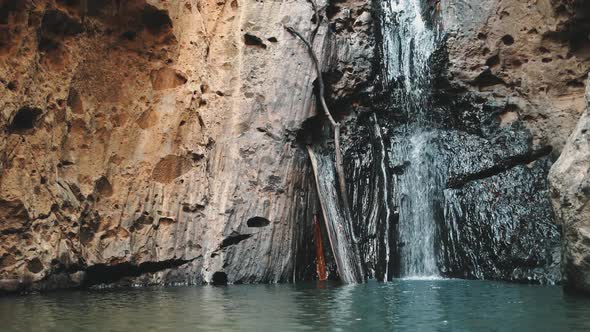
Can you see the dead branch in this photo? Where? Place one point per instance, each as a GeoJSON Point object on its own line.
{"type": "Point", "coordinates": [340, 243]}
{"type": "Point", "coordinates": [318, 21]}
{"type": "Point", "coordinates": [319, 73]}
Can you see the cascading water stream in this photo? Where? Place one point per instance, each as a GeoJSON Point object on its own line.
{"type": "Point", "coordinates": [383, 169]}
{"type": "Point", "coordinates": [417, 192]}
{"type": "Point", "coordinates": [407, 46]}
{"type": "Point", "coordinates": [437, 185]}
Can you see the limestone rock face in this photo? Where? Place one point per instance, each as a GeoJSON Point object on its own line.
{"type": "Point", "coordinates": [157, 142]}
{"type": "Point", "coordinates": [146, 140]}
{"type": "Point", "coordinates": [532, 57]}
{"type": "Point", "coordinates": [570, 182]}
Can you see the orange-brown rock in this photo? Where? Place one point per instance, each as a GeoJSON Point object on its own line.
{"type": "Point", "coordinates": [138, 139]}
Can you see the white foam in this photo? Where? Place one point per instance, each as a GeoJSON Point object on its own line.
{"type": "Point", "coordinates": [424, 278]}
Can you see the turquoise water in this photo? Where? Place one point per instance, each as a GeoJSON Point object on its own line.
{"type": "Point", "coordinates": [401, 305]}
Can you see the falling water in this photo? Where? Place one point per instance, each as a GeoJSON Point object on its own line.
{"type": "Point", "coordinates": [418, 190]}
{"type": "Point", "coordinates": [408, 44]}
{"type": "Point", "coordinates": [383, 169]}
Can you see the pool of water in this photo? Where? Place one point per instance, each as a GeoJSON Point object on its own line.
{"type": "Point", "coordinates": [401, 305]}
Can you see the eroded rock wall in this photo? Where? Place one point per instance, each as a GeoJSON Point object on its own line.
{"type": "Point", "coordinates": [507, 89]}
{"type": "Point", "coordinates": [531, 57]}
{"type": "Point", "coordinates": [156, 140]}
{"type": "Point", "coordinates": [570, 183]}
{"type": "Point", "coordinates": [530, 60]}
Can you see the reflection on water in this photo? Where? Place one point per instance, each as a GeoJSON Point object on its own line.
{"type": "Point", "coordinates": [402, 305]}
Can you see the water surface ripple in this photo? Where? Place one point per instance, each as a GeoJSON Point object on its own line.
{"type": "Point", "coordinates": [401, 305]}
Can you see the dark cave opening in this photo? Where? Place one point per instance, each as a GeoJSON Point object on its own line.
{"type": "Point", "coordinates": [156, 21]}
{"type": "Point", "coordinates": [106, 274]}
{"type": "Point", "coordinates": [219, 279]}
{"type": "Point", "coordinates": [258, 222]}
{"type": "Point", "coordinates": [24, 120]}
{"type": "Point", "coordinates": [234, 239]}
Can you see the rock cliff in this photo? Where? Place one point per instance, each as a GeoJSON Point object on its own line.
{"type": "Point", "coordinates": [162, 142]}
{"type": "Point", "coordinates": [570, 182]}
{"type": "Point", "coordinates": [531, 59]}
{"type": "Point", "coordinates": [155, 142]}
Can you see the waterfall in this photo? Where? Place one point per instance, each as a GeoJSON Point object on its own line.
{"type": "Point", "coordinates": [386, 196]}
{"type": "Point", "coordinates": [439, 187]}
{"type": "Point", "coordinates": [418, 190]}
{"type": "Point", "coordinates": [408, 44]}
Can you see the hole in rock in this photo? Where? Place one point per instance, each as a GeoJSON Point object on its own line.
{"type": "Point", "coordinates": [234, 239]}
{"type": "Point", "coordinates": [508, 40]}
{"type": "Point", "coordinates": [311, 131]}
{"type": "Point", "coordinates": [493, 60]}
{"type": "Point", "coordinates": [106, 274]}
{"type": "Point", "coordinates": [332, 10]}
{"type": "Point", "coordinates": [155, 20]}
{"type": "Point", "coordinates": [258, 222]}
{"type": "Point", "coordinates": [47, 44]}
{"type": "Point", "coordinates": [487, 79]}
{"type": "Point", "coordinates": [129, 35]}
{"type": "Point", "coordinates": [252, 40]}
{"type": "Point", "coordinates": [11, 86]}
{"type": "Point", "coordinates": [272, 40]}
{"type": "Point", "coordinates": [70, 3]}
{"type": "Point", "coordinates": [103, 187]}
{"type": "Point", "coordinates": [6, 8]}
{"type": "Point", "coordinates": [60, 23]}
{"type": "Point", "coordinates": [219, 279]}
{"type": "Point", "coordinates": [575, 84]}
{"type": "Point", "coordinates": [25, 119]}
{"type": "Point", "coordinates": [55, 26]}
{"type": "Point", "coordinates": [35, 265]}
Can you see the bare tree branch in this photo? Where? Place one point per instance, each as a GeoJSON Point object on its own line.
{"type": "Point", "coordinates": [319, 73]}
{"type": "Point", "coordinates": [318, 21]}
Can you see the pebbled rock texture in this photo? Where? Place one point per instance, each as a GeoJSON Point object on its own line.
{"type": "Point", "coordinates": [155, 142]}
{"type": "Point", "coordinates": [532, 56]}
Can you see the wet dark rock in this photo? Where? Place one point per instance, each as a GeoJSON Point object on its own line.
{"type": "Point", "coordinates": [485, 179]}
{"type": "Point", "coordinates": [492, 211]}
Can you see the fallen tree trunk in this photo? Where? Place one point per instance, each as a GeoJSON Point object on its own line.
{"type": "Point", "coordinates": [336, 220]}
{"type": "Point", "coordinates": [346, 222]}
